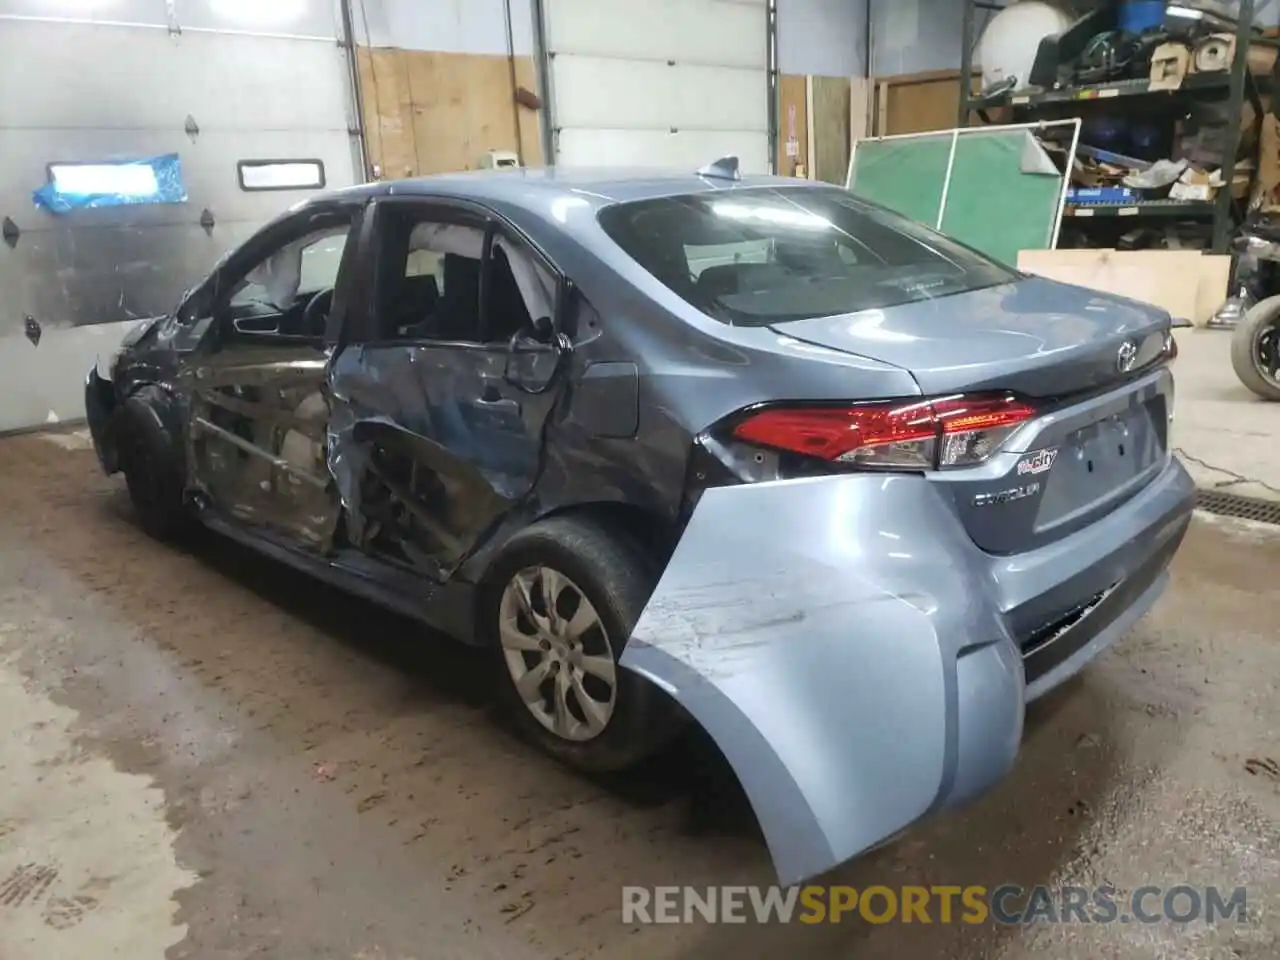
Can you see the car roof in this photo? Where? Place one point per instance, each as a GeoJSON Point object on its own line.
{"type": "Point", "coordinates": [533, 188]}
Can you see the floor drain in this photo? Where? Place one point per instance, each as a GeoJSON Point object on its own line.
{"type": "Point", "coordinates": [1233, 505]}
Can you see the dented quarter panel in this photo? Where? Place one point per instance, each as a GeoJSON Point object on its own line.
{"type": "Point", "coordinates": [853, 654]}
{"type": "Point", "coordinates": [813, 628]}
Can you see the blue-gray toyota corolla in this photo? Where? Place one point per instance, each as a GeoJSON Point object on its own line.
{"type": "Point", "coordinates": [742, 452]}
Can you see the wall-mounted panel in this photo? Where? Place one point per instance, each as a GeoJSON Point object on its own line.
{"type": "Point", "coordinates": [649, 95]}
{"type": "Point", "coordinates": [153, 12]}
{"type": "Point", "coordinates": [94, 92]}
{"type": "Point", "coordinates": [822, 37]}
{"type": "Point", "coordinates": [433, 112]}
{"type": "Point", "coordinates": [287, 17]}
{"type": "Point", "coordinates": [208, 170]}
{"type": "Point", "coordinates": [721, 33]}
{"type": "Point", "coordinates": [446, 26]}
{"type": "Point", "coordinates": [156, 81]}
{"type": "Point", "coordinates": [682, 150]}
{"type": "Point", "coordinates": [656, 82]}
{"type": "Point", "coordinates": [318, 18]}
{"type": "Point", "coordinates": [912, 36]}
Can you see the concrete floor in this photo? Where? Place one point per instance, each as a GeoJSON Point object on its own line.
{"type": "Point", "coordinates": [1225, 433]}
{"type": "Point", "coordinates": [206, 756]}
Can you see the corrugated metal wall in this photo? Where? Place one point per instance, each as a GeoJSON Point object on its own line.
{"type": "Point", "coordinates": [260, 79]}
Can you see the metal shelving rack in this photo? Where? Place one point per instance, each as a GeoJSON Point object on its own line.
{"type": "Point", "coordinates": [1232, 86]}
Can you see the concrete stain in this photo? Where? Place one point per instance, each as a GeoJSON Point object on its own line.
{"type": "Point", "coordinates": [87, 858]}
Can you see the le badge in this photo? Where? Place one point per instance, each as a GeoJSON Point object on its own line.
{"type": "Point", "coordinates": [1036, 463]}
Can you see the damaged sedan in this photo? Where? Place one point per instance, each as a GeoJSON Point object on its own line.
{"type": "Point", "coordinates": [741, 452]}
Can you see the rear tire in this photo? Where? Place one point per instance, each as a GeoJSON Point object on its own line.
{"type": "Point", "coordinates": [602, 580]}
{"type": "Point", "coordinates": [154, 472]}
{"type": "Point", "coordinates": [1262, 321]}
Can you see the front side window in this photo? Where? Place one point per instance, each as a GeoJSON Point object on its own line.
{"type": "Point", "coordinates": [769, 255]}
{"type": "Point", "coordinates": [307, 265]}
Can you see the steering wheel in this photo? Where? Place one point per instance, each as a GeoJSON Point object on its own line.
{"type": "Point", "coordinates": [316, 313]}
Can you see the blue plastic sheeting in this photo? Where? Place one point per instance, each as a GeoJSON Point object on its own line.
{"type": "Point", "coordinates": [114, 183]}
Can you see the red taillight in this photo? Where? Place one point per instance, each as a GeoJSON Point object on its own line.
{"type": "Point", "coordinates": [917, 435]}
{"type": "Point", "coordinates": [1170, 347]}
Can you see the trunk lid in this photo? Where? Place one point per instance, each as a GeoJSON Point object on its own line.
{"type": "Point", "coordinates": [1088, 358]}
{"type": "Point", "coordinates": [1035, 337]}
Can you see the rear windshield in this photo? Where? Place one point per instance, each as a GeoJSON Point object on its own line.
{"type": "Point", "coordinates": [768, 255]}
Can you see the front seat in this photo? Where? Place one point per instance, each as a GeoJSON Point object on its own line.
{"type": "Point", "coordinates": [459, 314]}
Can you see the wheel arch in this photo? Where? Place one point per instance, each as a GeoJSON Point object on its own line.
{"type": "Point", "coordinates": [159, 401]}
{"type": "Point", "coordinates": [647, 528]}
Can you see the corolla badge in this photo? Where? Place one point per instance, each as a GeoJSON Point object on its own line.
{"type": "Point", "coordinates": [1006, 496]}
{"type": "Point", "coordinates": [1126, 356]}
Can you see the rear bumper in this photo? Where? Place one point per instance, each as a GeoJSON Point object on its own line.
{"type": "Point", "coordinates": [99, 411]}
{"type": "Point", "coordinates": [861, 663]}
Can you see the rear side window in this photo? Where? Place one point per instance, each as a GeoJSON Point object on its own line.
{"type": "Point", "coordinates": [768, 255]}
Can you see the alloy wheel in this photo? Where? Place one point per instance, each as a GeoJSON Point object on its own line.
{"type": "Point", "coordinates": [558, 653]}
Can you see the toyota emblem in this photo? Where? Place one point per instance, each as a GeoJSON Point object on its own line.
{"type": "Point", "coordinates": [1126, 356]}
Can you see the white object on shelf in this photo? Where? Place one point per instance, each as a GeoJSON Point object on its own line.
{"type": "Point", "coordinates": [1009, 43]}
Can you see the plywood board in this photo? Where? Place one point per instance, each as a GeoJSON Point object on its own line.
{"type": "Point", "coordinates": [918, 102]}
{"type": "Point", "coordinates": [432, 112]}
{"type": "Point", "coordinates": [793, 125]}
{"type": "Point", "coordinates": [861, 94]}
{"type": "Point", "coordinates": [388, 112]}
{"type": "Point", "coordinates": [830, 124]}
{"type": "Point", "coordinates": [1215, 279]}
{"type": "Point", "coordinates": [1186, 283]}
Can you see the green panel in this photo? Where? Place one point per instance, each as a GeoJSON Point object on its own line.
{"type": "Point", "coordinates": [992, 204]}
{"type": "Point", "coordinates": [904, 175]}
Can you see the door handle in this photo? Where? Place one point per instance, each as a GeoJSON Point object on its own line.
{"type": "Point", "coordinates": [490, 394]}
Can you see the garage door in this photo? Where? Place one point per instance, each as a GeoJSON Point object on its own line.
{"type": "Point", "coordinates": [216, 83]}
{"type": "Point", "coordinates": [659, 83]}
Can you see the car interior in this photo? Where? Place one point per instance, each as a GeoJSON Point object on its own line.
{"type": "Point", "coordinates": [430, 280]}
{"type": "Point", "coordinates": [289, 294]}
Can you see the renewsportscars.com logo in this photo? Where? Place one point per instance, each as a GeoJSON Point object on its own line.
{"type": "Point", "coordinates": [1008, 904]}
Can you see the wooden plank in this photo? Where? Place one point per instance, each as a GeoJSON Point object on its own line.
{"type": "Point", "coordinates": [1186, 283]}
{"type": "Point", "coordinates": [387, 111]}
{"type": "Point", "coordinates": [829, 121]}
{"type": "Point", "coordinates": [1215, 280]}
{"type": "Point", "coordinates": [923, 77]}
{"type": "Point", "coordinates": [920, 106]}
{"type": "Point", "coordinates": [860, 107]}
{"type": "Point", "coordinates": [529, 121]}
{"type": "Point", "coordinates": [434, 112]}
{"type": "Point", "coordinates": [810, 129]}
{"type": "Point", "coordinates": [793, 124]}
{"type": "Point", "coordinates": [920, 102]}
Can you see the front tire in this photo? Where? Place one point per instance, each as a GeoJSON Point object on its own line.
{"type": "Point", "coordinates": [153, 472]}
{"type": "Point", "coordinates": [557, 608]}
{"type": "Point", "coordinates": [1255, 349]}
